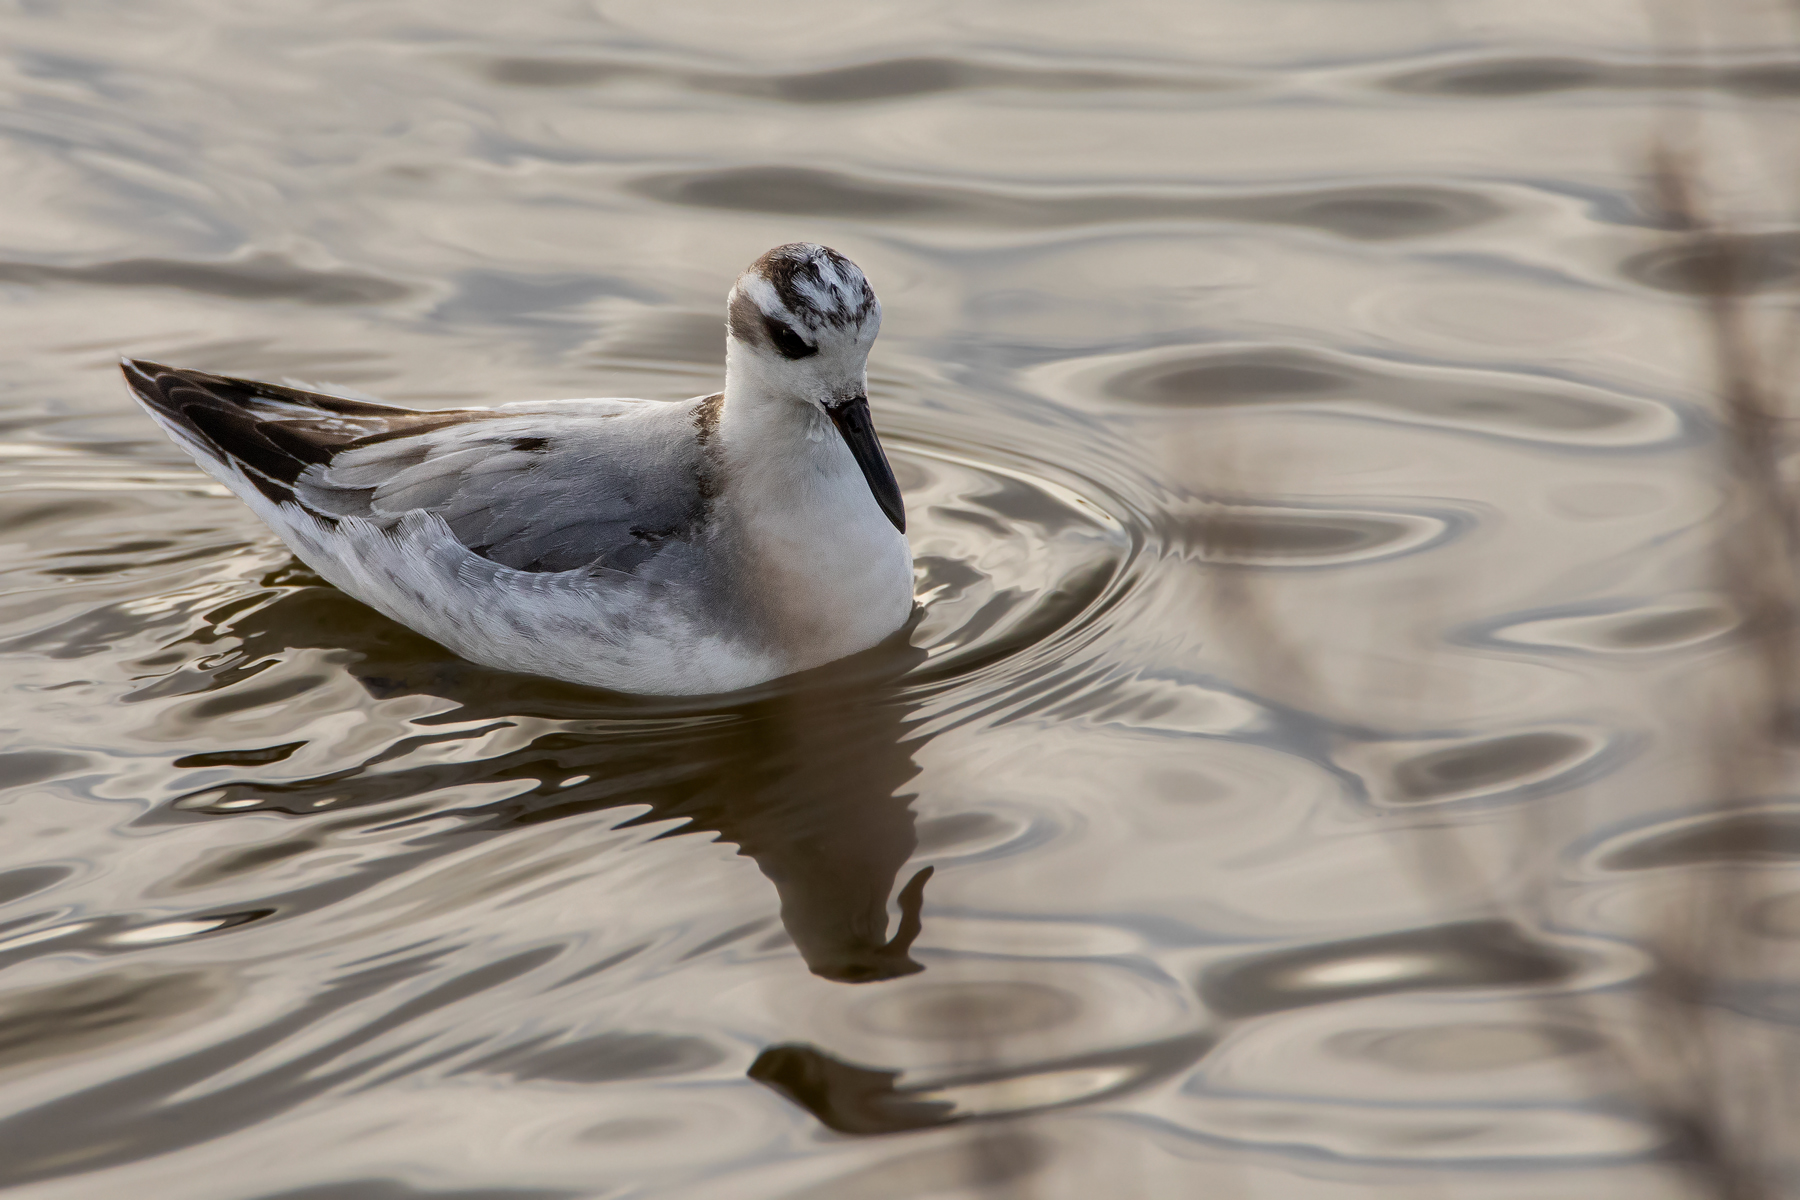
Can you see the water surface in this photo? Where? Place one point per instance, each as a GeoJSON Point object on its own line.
{"type": "Point", "coordinates": [1304, 434]}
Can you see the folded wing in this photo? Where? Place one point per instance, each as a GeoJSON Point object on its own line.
{"type": "Point", "coordinates": [537, 487]}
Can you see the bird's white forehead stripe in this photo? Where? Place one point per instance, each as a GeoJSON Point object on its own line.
{"type": "Point", "coordinates": [817, 305]}
{"type": "Point", "coordinates": [762, 293]}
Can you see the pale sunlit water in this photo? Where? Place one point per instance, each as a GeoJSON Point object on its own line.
{"type": "Point", "coordinates": [1304, 431]}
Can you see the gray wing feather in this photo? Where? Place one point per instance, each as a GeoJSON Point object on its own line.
{"type": "Point", "coordinates": [549, 487]}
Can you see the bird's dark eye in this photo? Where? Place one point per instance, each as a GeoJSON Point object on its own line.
{"type": "Point", "coordinates": [787, 341]}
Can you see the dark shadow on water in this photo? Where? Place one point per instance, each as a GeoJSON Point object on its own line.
{"type": "Point", "coordinates": [805, 775]}
{"type": "Point", "coordinates": [853, 1099]}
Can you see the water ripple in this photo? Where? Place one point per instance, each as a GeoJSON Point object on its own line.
{"type": "Point", "coordinates": [1747, 835]}
{"type": "Point", "coordinates": [1289, 536]}
{"type": "Point", "coordinates": [1468, 954]}
{"type": "Point", "coordinates": [256, 277]}
{"type": "Point", "coordinates": [1618, 627]}
{"type": "Point", "coordinates": [858, 83]}
{"type": "Point", "coordinates": [1484, 77]}
{"type": "Point", "coordinates": [1491, 767]}
{"type": "Point", "coordinates": [1369, 212]}
{"type": "Point", "coordinates": [1280, 378]}
{"type": "Point", "coordinates": [1711, 264]}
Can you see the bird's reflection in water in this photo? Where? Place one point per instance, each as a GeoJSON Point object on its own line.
{"type": "Point", "coordinates": [804, 775]}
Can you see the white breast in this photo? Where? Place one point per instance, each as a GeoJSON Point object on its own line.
{"type": "Point", "coordinates": [831, 571]}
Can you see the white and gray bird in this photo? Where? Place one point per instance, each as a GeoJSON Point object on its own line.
{"type": "Point", "coordinates": [645, 546]}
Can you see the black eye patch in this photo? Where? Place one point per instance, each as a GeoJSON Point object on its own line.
{"type": "Point", "coordinates": [786, 340]}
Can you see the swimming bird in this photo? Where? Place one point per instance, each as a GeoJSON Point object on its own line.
{"type": "Point", "coordinates": [644, 546]}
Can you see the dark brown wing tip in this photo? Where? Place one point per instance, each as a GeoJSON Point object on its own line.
{"type": "Point", "coordinates": [147, 379]}
{"type": "Point", "coordinates": [152, 380]}
{"type": "Point", "coordinates": [136, 369]}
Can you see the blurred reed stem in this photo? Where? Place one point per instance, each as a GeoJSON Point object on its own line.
{"type": "Point", "coordinates": [1721, 1089]}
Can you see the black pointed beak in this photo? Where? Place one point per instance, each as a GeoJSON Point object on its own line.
{"type": "Point", "coordinates": [853, 421]}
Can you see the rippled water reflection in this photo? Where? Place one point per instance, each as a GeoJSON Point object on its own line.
{"type": "Point", "coordinates": [1305, 448]}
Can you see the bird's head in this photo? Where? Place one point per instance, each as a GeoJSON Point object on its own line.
{"type": "Point", "coordinates": [801, 320]}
